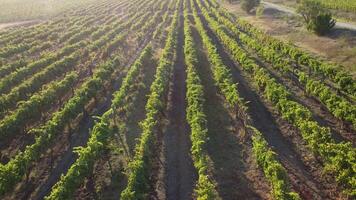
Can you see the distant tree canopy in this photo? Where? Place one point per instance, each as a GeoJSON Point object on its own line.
{"type": "Point", "coordinates": [317, 18]}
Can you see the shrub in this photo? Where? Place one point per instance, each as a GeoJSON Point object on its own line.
{"type": "Point", "coordinates": [317, 19]}
{"type": "Point", "coordinates": [322, 24]}
{"type": "Point", "coordinates": [248, 5]}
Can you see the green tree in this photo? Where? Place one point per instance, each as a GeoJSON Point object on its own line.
{"type": "Point", "coordinates": [317, 18]}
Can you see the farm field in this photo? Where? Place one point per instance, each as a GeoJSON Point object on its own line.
{"type": "Point", "coordinates": [26, 10]}
{"type": "Point", "coordinates": [169, 99]}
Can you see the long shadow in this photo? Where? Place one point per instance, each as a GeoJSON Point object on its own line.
{"type": "Point", "coordinates": [263, 119]}
{"type": "Point", "coordinates": [119, 179]}
{"type": "Point", "coordinates": [138, 114]}
{"type": "Point", "coordinates": [223, 147]}
{"type": "Point", "coordinates": [338, 32]}
{"type": "Point", "coordinates": [79, 138]}
{"type": "Point", "coordinates": [309, 102]}
{"type": "Point", "coordinates": [180, 174]}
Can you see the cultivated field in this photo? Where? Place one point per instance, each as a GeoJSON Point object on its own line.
{"type": "Point", "coordinates": [169, 99]}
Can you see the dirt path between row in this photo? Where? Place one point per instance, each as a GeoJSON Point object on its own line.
{"type": "Point", "coordinates": [80, 138]}
{"type": "Point", "coordinates": [227, 155]}
{"type": "Point", "coordinates": [109, 180]}
{"type": "Point", "coordinates": [43, 178]}
{"type": "Point", "coordinates": [273, 132]}
{"type": "Point", "coordinates": [180, 174]}
{"type": "Point", "coordinates": [320, 112]}
{"type": "Point", "coordinates": [232, 167]}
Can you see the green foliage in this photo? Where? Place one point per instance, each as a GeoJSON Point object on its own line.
{"type": "Point", "coordinates": [38, 102]}
{"type": "Point", "coordinates": [99, 136]}
{"type": "Point", "coordinates": [69, 55]}
{"type": "Point", "coordinates": [345, 5]}
{"type": "Point", "coordinates": [273, 170]}
{"type": "Point", "coordinates": [12, 172]}
{"type": "Point", "coordinates": [337, 105]}
{"type": "Point", "coordinates": [322, 24]}
{"type": "Point", "coordinates": [205, 188]}
{"type": "Point", "coordinates": [338, 158]}
{"type": "Point", "coordinates": [317, 19]}
{"type": "Point", "coordinates": [139, 167]}
{"type": "Point", "coordinates": [269, 48]}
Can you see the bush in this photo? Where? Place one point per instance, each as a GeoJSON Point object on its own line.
{"type": "Point", "coordinates": [248, 5]}
{"type": "Point", "coordinates": [317, 19]}
{"type": "Point", "coordinates": [322, 24]}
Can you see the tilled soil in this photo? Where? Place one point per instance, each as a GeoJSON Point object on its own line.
{"type": "Point", "coordinates": [277, 135]}
{"type": "Point", "coordinates": [61, 156]}
{"type": "Point", "coordinates": [340, 131]}
{"type": "Point", "coordinates": [179, 172]}
{"type": "Point", "coordinates": [232, 166]}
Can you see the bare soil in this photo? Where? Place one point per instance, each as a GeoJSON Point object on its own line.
{"type": "Point", "coordinates": [108, 177]}
{"type": "Point", "coordinates": [179, 172]}
{"type": "Point", "coordinates": [305, 171]}
{"type": "Point", "coordinates": [61, 156]}
{"type": "Point", "coordinates": [341, 131]}
{"type": "Point", "coordinates": [233, 167]}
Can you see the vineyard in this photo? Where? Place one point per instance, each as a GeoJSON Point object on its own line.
{"type": "Point", "coordinates": [170, 99]}
{"type": "Point", "coordinates": [346, 5]}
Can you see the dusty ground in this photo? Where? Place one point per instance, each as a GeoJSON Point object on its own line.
{"type": "Point", "coordinates": [180, 174]}
{"type": "Point", "coordinates": [19, 23]}
{"type": "Point", "coordinates": [339, 46]}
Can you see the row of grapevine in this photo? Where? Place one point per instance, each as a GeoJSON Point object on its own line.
{"type": "Point", "coordinates": [46, 32]}
{"type": "Point", "coordinates": [20, 93]}
{"type": "Point", "coordinates": [139, 167]}
{"type": "Point", "coordinates": [273, 170]}
{"type": "Point", "coordinates": [35, 32]}
{"type": "Point", "coordinates": [346, 5]}
{"type": "Point", "coordinates": [99, 136]}
{"type": "Point", "coordinates": [205, 188]}
{"type": "Point", "coordinates": [159, 29]}
{"type": "Point", "coordinates": [28, 87]}
{"type": "Point", "coordinates": [41, 102]}
{"type": "Point", "coordinates": [13, 171]}
{"type": "Point", "coordinates": [70, 34]}
{"type": "Point", "coordinates": [338, 158]}
{"type": "Point", "coordinates": [14, 123]}
{"type": "Point", "coordinates": [17, 167]}
{"type": "Point", "coordinates": [338, 106]}
{"type": "Point", "coordinates": [160, 33]}
{"type": "Point", "coordinates": [23, 62]}
{"type": "Point", "coordinates": [55, 35]}
{"type": "Point", "coordinates": [344, 80]}
{"type": "Point", "coordinates": [16, 77]}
